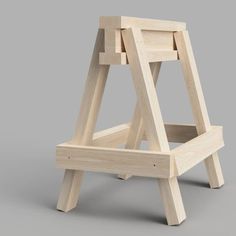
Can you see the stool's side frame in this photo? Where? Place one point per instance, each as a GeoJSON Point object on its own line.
{"type": "Point", "coordinates": [198, 105]}
{"type": "Point", "coordinates": [89, 109]}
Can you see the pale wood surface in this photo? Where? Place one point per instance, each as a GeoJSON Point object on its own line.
{"type": "Point", "coordinates": [85, 126]}
{"type": "Point", "coordinates": [111, 137]}
{"type": "Point", "coordinates": [151, 115]}
{"type": "Point", "coordinates": [136, 131]}
{"type": "Point", "coordinates": [197, 102]}
{"type": "Point", "coordinates": [162, 55]}
{"type": "Point", "coordinates": [145, 89]}
{"type": "Point", "coordinates": [171, 197]}
{"type": "Point", "coordinates": [158, 40]}
{"type": "Point", "coordinates": [110, 160]}
{"type": "Point", "coordinates": [122, 22]}
{"type": "Point", "coordinates": [194, 151]}
{"type": "Point", "coordinates": [70, 190]}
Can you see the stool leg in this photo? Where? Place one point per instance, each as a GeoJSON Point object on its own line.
{"type": "Point", "coordinates": [70, 190]}
{"type": "Point", "coordinates": [152, 119]}
{"type": "Point", "coordinates": [215, 176]}
{"type": "Point", "coordinates": [91, 101]}
{"type": "Point", "coordinates": [173, 204]}
{"type": "Point", "coordinates": [198, 105]}
{"type": "Point", "coordinates": [136, 131]}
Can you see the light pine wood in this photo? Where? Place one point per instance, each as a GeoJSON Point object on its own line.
{"type": "Point", "coordinates": [89, 108]}
{"type": "Point", "coordinates": [199, 109]}
{"type": "Point", "coordinates": [114, 48]}
{"type": "Point", "coordinates": [108, 58]}
{"type": "Point", "coordinates": [191, 153]}
{"type": "Point", "coordinates": [158, 40]}
{"type": "Point", "coordinates": [171, 196]}
{"type": "Point", "coordinates": [111, 137]}
{"type": "Point", "coordinates": [113, 41]}
{"type": "Point", "coordinates": [136, 131]}
{"type": "Point", "coordinates": [123, 22]}
{"type": "Point", "coordinates": [151, 115]}
{"type": "Point", "coordinates": [117, 135]}
{"type": "Point", "coordinates": [110, 160]}
{"type": "Point", "coordinates": [70, 190]}
{"type": "Point", "coordinates": [162, 55]}
{"type": "Point", "coordinates": [145, 89]}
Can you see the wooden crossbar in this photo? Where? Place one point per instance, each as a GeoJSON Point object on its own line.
{"type": "Point", "coordinates": [112, 137]}
{"type": "Point", "coordinates": [140, 162]}
{"type": "Point", "coordinates": [110, 160]}
{"type": "Point", "coordinates": [196, 150]}
{"type": "Point", "coordinates": [123, 22]}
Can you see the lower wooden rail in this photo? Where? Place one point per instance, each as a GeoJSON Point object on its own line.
{"type": "Point", "coordinates": [196, 150]}
{"type": "Point", "coordinates": [141, 162]}
{"type": "Point", "coordinates": [110, 160]}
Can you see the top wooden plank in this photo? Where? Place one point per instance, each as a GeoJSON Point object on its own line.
{"type": "Point", "coordinates": [123, 22]}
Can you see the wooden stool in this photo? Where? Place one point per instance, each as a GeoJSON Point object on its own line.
{"type": "Point", "coordinates": [143, 44]}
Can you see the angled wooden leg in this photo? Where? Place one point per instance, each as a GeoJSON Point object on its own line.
{"type": "Point", "coordinates": [199, 109]}
{"type": "Point", "coordinates": [136, 130]}
{"type": "Point", "coordinates": [70, 190]}
{"type": "Point", "coordinates": [215, 176]}
{"type": "Point", "coordinates": [89, 109]}
{"type": "Point", "coordinates": [151, 114]}
{"type": "Point", "coordinates": [172, 199]}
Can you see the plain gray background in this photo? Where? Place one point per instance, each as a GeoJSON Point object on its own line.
{"type": "Point", "coordinates": [45, 50]}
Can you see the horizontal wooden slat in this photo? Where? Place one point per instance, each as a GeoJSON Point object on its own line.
{"type": "Point", "coordinates": [180, 133]}
{"type": "Point", "coordinates": [152, 56]}
{"type": "Point", "coordinates": [110, 160]}
{"type": "Point", "coordinates": [123, 22]}
{"type": "Point", "coordinates": [191, 153]}
{"type": "Point", "coordinates": [162, 55]}
{"type": "Point", "coordinates": [111, 137]}
{"type": "Point", "coordinates": [158, 40]}
{"type": "Point", "coordinates": [108, 58]}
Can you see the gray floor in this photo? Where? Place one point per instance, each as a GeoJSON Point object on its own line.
{"type": "Point", "coordinates": [108, 206]}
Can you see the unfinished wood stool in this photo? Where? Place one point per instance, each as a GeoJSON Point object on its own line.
{"type": "Point", "coordinates": [143, 44]}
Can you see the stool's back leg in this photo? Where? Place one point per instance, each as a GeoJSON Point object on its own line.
{"type": "Point", "coordinates": [197, 102]}
{"type": "Point", "coordinates": [89, 109]}
{"type": "Point", "coordinates": [136, 131]}
{"type": "Point", "coordinates": [153, 123]}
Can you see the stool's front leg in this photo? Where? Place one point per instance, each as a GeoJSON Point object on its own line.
{"type": "Point", "coordinates": [152, 118]}
{"type": "Point", "coordinates": [136, 131]}
{"type": "Point", "coordinates": [89, 109]}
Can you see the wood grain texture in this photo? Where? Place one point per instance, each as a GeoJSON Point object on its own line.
{"type": "Point", "coordinates": [110, 160]}
{"type": "Point", "coordinates": [89, 108]}
{"type": "Point", "coordinates": [123, 22]}
{"type": "Point", "coordinates": [136, 131]}
{"type": "Point", "coordinates": [151, 115]}
{"type": "Point", "coordinates": [198, 105]}
{"type": "Point", "coordinates": [145, 89]}
{"type": "Point", "coordinates": [196, 150]}
{"type": "Point", "coordinates": [171, 197]}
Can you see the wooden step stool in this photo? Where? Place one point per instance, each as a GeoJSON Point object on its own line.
{"type": "Point", "coordinates": [143, 44]}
